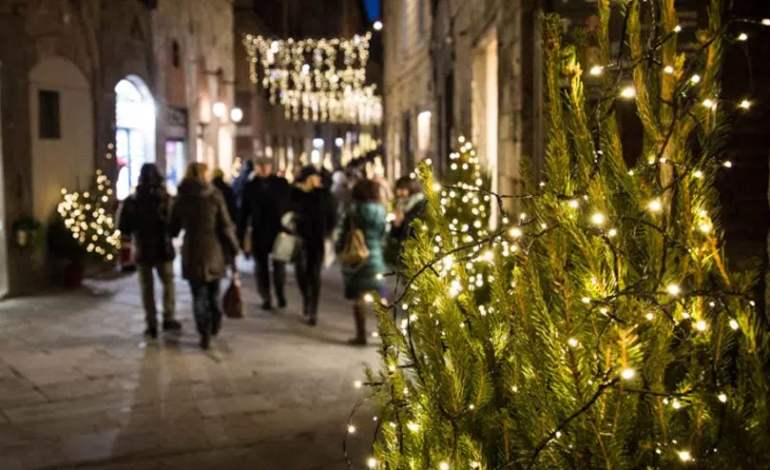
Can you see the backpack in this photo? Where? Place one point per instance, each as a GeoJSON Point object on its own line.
{"type": "Point", "coordinates": [354, 251]}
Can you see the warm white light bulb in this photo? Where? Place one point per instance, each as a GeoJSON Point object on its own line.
{"type": "Point", "coordinates": [351, 429]}
{"type": "Point", "coordinates": [572, 342]}
{"type": "Point", "coordinates": [722, 397]}
{"type": "Point", "coordinates": [708, 103]}
{"type": "Point", "coordinates": [358, 384]}
{"type": "Point", "coordinates": [734, 324]}
{"type": "Point", "coordinates": [745, 104]}
{"type": "Point", "coordinates": [596, 70]}
{"type": "Point", "coordinates": [705, 227]}
{"type": "Point", "coordinates": [574, 203]}
{"type": "Point", "coordinates": [628, 374]}
{"type": "Point", "coordinates": [677, 29]}
{"type": "Point", "coordinates": [368, 298]}
{"type": "Point", "coordinates": [701, 325]}
{"type": "Point", "coordinates": [612, 233]}
{"type": "Point", "coordinates": [515, 232]}
{"type": "Point", "coordinates": [443, 466]}
{"type": "Point", "coordinates": [414, 427]}
{"type": "Point", "coordinates": [377, 25]}
{"type": "Point", "coordinates": [628, 92]}
{"type": "Point", "coordinates": [695, 79]}
{"type": "Point", "coordinates": [372, 462]}
{"type": "Point", "coordinates": [743, 37]}
{"type": "Point", "coordinates": [673, 289]}
{"type": "Point", "coordinates": [655, 206]}
{"type": "Point", "coordinates": [650, 316]}
{"type": "Point", "coordinates": [597, 219]}
{"type": "Point", "coordinates": [684, 456]}
{"type": "Point", "coordinates": [766, 21]}
{"type": "Point", "coordinates": [728, 164]}
{"type": "Point", "coordinates": [698, 174]}
{"type": "Point", "coordinates": [669, 69]}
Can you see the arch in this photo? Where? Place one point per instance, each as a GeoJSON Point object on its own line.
{"type": "Point", "coordinates": [134, 131]}
{"type": "Point", "coordinates": [62, 131]}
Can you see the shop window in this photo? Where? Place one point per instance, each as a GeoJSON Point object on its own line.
{"type": "Point", "coordinates": [49, 114]}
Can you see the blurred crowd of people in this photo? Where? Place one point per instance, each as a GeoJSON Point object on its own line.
{"type": "Point", "coordinates": [324, 212]}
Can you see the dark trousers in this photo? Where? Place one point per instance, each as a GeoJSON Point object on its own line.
{"type": "Point", "coordinates": [208, 312]}
{"type": "Point", "coordinates": [262, 273]}
{"type": "Point", "coordinates": [309, 264]}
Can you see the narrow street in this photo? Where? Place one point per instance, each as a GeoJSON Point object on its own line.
{"type": "Point", "coordinates": [80, 388]}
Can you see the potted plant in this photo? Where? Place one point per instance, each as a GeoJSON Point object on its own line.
{"type": "Point", "coordinates": [26, 232]}
{"type": "Point", "coordinates": [65, 248]}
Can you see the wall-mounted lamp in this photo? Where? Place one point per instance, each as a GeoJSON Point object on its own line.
{"type": "Point", "coordinates": [219, 109]}
{"type": "Point", "coordinates": [236, 115]}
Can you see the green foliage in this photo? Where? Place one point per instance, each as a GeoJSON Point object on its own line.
{"type": "Point", "coordinates": [614, 336]}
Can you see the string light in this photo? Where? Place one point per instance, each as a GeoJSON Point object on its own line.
{"type": "Point", "coordinates": [734, 324]}
{"type": "Point", "coordinates": [371, 463]}
{"type": "Point", "coordinates": [303, 77]}
{"type": "Point", "coordinates": [668, 69]}
{"type": "Point", "coordinates": [596, 70]}
{"type": "Point", "coordinates": [745, 104]}
{"type": "Point", "coordinates": [597, 219]}
{"type": "Point", "coordinates": [722, 397]}
{"type": "Point", "coordinates": [443, 466]}
{"type": "Point", "coordinates": [743, 37]}
{"type": "Point", "coordinates": [628, 92]}
{"type": "Point", "coordinates": [695, 79]}
{"type": "Point", "coordinates": [628, 374]}
{"type": "Point", "coordinates": [87, 219]}
{"type": "Point", "coordinates": [655, 205]}
{"type": "Point", "coordinates": [684, 456]}
{"type": "Point", "coordinates": [701, 325]}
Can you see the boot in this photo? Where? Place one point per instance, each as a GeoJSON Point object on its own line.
{"type": "Point", "coordinates": [359, 316]}
{"type": "Point", "coordinates": [205, 341]}
{"type": "Point", "coordinates": [172, 326]}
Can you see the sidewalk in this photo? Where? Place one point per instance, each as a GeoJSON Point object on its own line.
{"type": "Point", "coordinates": [81, 388]}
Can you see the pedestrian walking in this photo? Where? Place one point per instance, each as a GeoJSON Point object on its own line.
{"type": "Point", "coordinates": [240, 181]}
{"type": "Point", "coordinates": [265, 201]}
{"type": "Point", "coordinates": [145, 217]}
{"type": "Point", "coordinates": [313, 218]}
{"type": "Point", "coordinates": [231, 200]}
{"type": "Point", "coordinates": [410, 206]}
{"type": "Point", "coordinates": [200, 211]}
{"type": "Point", "coordinates": [367, 215]}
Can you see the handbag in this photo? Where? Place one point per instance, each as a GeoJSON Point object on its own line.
{"type": "Point", "coordinates": [232, 302]}
{"type": "Point", "coordinates": [354, 251]}
{"type": "Point", "coordinates": [285, 247]}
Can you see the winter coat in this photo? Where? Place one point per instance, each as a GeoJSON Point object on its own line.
{"type": "Point", "coordinates": [230, 200]}
{"type": "Point", "coordinates": [201, 211]}
{"type": "Point", "coordinates": [145, 216]}
{"type": "Point", "coordinates": [314, 215]}
{"type": "Point", "coordinates": [371, 219]}
{"type": "Point", "coordinates": [265, 201]}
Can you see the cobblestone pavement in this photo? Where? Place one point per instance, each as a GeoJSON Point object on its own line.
{"type": "Point", "coordinates": [80, 387]}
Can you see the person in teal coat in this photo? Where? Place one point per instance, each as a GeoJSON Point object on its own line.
{"type": "Point", "coordinates": [367, 214]}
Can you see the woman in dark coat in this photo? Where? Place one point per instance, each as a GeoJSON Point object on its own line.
{"type": "Point", "coordinates": [144, 216]}
{"type": "Point", "coordinates": [367, 214]}
{"type": "Point", "coordinates": [200, 211]}
{"type": "Point", "coordinates": [313, 216]}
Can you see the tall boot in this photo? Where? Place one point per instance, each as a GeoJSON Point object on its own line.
{"type": "Point", "coordinates": [359, 316]}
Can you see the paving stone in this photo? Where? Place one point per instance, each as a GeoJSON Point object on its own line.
{"type": "Point", "coordinates": [83, 386]}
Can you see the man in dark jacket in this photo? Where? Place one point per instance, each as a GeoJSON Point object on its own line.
{"type": "Point", "coordinates": [146, 216]}
{"type": "Point", "coordinates": [227, 192]}
{"type": "Point", "coordinates": [265, 200]}
{"type": "Point", "coordinates": [314, 217]}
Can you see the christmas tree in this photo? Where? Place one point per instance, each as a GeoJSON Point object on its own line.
{"type": "Point", "coordinates": [615, 335]}
{"type": "Point", "coordinates": [89, 219]}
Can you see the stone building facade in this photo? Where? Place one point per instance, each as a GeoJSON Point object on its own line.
{"type": "Point", "coordinates": [103, 85]}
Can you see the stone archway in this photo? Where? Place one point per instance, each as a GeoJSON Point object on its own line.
{"type": "Point", "coordinates": [134, 132]}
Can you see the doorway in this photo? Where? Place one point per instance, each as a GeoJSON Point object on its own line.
{"type": "Point", "coordinates": [135, 132]}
